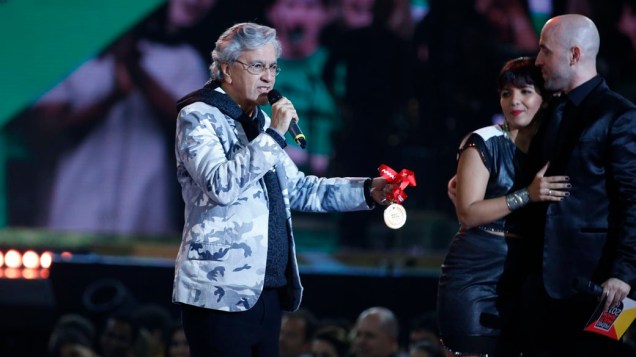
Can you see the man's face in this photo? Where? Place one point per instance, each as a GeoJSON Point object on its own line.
{"type": "Point", "coordinates": [292, 337]}
{"type": "Point", "coordinates": [298, 21]}
{"type": "Point", "coordinates": [554, 60]}
{"type": "Point", "coordinates": [248, 89]}
{"type": "Point", "coordinates": [357, 13]}
{"type": "Point", "coordinates": [117, 338]}
{"type": "Point", "coordinates": [370, 340]}
{"type": "Point", "coordinates": [187, 13]}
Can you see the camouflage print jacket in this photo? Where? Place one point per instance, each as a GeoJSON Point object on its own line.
{"type": "Point", "coordinates": [221, 261]}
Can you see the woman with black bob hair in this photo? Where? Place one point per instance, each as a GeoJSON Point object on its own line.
{"type": "Point", "coordinates": [481, 274]}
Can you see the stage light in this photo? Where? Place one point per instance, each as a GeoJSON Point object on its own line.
{"type": "Point", "coordinates": [30, 259]}
{"type": "Point", "coordinates": [29, 264]}
{"type": "Point", "coordinates": [13, 259]}
{"type": "Point", "coordinates": [46, 259]}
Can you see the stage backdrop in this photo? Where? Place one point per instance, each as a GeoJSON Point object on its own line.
{"type": "Point", "coordinates": [44, 40]}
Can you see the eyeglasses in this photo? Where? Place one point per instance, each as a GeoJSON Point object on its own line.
{"type": "Point", "coordinates": [259, 68]}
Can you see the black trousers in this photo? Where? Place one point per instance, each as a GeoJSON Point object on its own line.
{"type": "Point", "coordinates": [554, 327]}
{"type": "Point", "coordinates": [251, 333]}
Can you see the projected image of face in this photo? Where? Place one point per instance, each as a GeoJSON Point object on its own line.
{"type": "Point", "coordinates": [187, 13]}
{"type": "Point", "coordinates": [298, 24]}
{"type": "Point", "coordinates": [357, 13]}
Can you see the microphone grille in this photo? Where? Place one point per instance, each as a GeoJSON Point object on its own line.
{"type": "Point", "coordinates": [273, 96]}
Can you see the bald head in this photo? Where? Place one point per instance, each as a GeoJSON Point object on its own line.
{"type": "Point", "coordinates": [375, 333]}
{"type": "Point", "coordinates": [575, 31]}
{"type": "Point", "coordinates": [569, 45]}
{"type": "Point", "coordinates": [384, 316]}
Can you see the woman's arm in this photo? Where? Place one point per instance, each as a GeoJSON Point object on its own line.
{"type": "Point", "coordinates": [472, 179]}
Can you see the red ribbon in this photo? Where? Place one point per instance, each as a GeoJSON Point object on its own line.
{"type": "Point", "coordinates": [404, 179]}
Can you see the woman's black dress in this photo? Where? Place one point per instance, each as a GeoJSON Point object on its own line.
{"type": "Point", "coordinates": [479, 279]}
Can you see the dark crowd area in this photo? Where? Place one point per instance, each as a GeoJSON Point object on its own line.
{"type": "Point", "coordinates": [103, 311]}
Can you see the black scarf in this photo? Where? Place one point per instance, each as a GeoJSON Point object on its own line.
{"type": "Point", "coordinates": [226, 105]}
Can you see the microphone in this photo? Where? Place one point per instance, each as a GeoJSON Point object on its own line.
{"type": "Point", "coordinates": [274, 96]}
{"type": "Point", "coordinates": [610, 322]}
{"type": "Point", "coordinates": [588, 287]}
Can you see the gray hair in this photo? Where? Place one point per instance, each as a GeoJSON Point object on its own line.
{"type": "Point", "coordinates": [240, 38]}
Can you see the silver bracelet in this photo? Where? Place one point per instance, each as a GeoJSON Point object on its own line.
{"type": "Point", "coordinates": [517, 199]}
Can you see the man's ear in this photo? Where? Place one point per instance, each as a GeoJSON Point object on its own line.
{"type": "Point", "coordinates": [575, 55]}
{"type": "Point", "coordinates": [225, 69]}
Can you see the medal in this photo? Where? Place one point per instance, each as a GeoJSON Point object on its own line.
{"type": "Point", "coordinates": [394, 216]}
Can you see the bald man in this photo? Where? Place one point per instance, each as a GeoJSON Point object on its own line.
{"type": "Point", "coordinates": [589, 235]}
{"type": "Point", "coordinates": [375, 333]}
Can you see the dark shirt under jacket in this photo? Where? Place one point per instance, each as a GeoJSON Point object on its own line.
{"type": "Point", "coordinates": [569, 125]}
